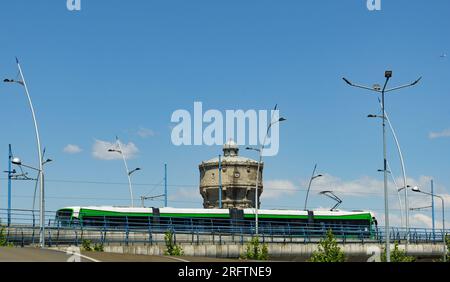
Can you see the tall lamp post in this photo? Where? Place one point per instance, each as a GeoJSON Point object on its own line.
{"type": "Point", "coordinates": [38, 143]}
{"type": "Point", "coordinates": [417, 189]}
{"type": "Point", "coordinates": [260, 151]}
{"type": "Point", "coordinates": [383, 91]}
{"type": "Point", "coordinates": [120, 151]}
{"type": "Point", "coordinates": [313, 176]}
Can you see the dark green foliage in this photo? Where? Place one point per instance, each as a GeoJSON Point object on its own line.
{"type": "Point", "coordinates": [329, 250]}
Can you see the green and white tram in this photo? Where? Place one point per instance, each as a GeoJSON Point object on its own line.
{"type": "Point", "coordinates": [270, 221]}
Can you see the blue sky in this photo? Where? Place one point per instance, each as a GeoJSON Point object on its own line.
{"type": "Point", "coordinates": [120, 67]}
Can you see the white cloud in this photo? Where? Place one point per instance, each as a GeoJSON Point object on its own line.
{"type": "Point", "coordinates": [100, 150]}
{"type": "Point", "coordinates": [422, 220]}
{"type": "Point", "coordinates": [439, 134]}
{"type": "Point", "coordinates": [363, 186]}
{"type": "Point", "coordinates": [278, 188]}
{"type": "Point", "coordinates": [145, 132]}
{"type": "Point", "coordinates": [72, 149]}
{"type": "Point", "coordinates": [187, 194]}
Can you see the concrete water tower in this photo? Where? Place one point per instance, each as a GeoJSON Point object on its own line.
{"type": "Point", "coordinates": [238, 180]}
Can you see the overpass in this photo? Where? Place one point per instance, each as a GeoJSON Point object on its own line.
{"type": "Point", "coordinates": [285, 242]}
{"type": "Point", "coordinates": [423, 244]}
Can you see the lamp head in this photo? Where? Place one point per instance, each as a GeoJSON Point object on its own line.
{"type": "Point", "coordinates": [388, 74]}
{"type": "Point", "coordinates": [415, 189]}
{"type": "Point", "coordinates": [317, 176]}
{"type": "Point", "coordinates": [417, 81]}
{"type": "Point", "coordinates": [16, 161]}
{"type": "Point", "coordinates": [376, 87]}
{"type": "Point", "coordinates": [347, 81]}
{"type": "Point", "coordinates": [282, 119]}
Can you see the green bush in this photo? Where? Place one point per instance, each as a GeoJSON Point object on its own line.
{"type": "Point", "coordinates": [172, 248]}
{"type": "Point", "coordinates": [397, 255]}
{"type": "Point", "coordinates": [256, 251]}
{"type": "Point", "coordinates": [86, 244]}
{"type": "Point", "coordinates": [98, 248]}
{"type": "Point", "coordinates": [3, 241]}
{"type": "Point", "coordinates": [329, 250]}
{"type": "Point", "coordinates": [447, 241]}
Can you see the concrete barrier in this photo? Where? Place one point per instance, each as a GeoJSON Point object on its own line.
{"type": "Point", "coordinates": [277, 251]}
{"type": "Point", "coordinates": [211, 245]}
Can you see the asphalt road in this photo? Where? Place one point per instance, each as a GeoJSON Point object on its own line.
{"type": "Point", "coordinates": [29, 254]}
{"type": "Point", "coordinates": [34, 255]}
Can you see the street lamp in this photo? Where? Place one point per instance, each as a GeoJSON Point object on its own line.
{"type": "Point", "coordinates": [120, 151]}
{"type": "Point", "coordinates": [134, 170]}
{"type": "Point", "coordinates": [383, 91]}
{"type": "Point", "coordinates": [313, 176]}
{"type": "Point", "coordinates": [38, 141]}
{"type": "Point", "coordinates": [417, 189]}
{"type": "Point", "coordinates": [18, 162]}
{"type": "Point", "coordinates": [260, 151]}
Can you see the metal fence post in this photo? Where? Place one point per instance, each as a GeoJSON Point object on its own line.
{"type": "Point", "coordinates": [57, 235]}
{"type": "Point", "coordinates": [150, 237]}
{"type": "Point", "coordinates": [198, 237]}
{"type": "Point", "coordinates": [242, 237]}
{"type": "Point", "coordinates": [126, 231]}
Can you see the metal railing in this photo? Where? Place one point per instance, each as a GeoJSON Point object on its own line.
{"type": "Point", "coordinates": [24, 230]}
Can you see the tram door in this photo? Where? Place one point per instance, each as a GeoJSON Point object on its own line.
{"type": "Point", "coordinates": [156, 217]}
{"type": "Point", "coordinates": [237, 220]}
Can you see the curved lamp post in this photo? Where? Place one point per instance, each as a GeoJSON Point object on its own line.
{"type": "Point", "coordinates": [383, 91]}
{"type": "Point", "coordinates": [38, 143]}
{"type": "Point", "coordinates": [402, 162]}
{"type": "Point", "coordinates": [417, 189]}
{"type": "Point", "coordinates": [260, 151]}
{"type": "Point", "coordinates": [120, 151]}
{"type": "Point", "coordinates": [398, 193]}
